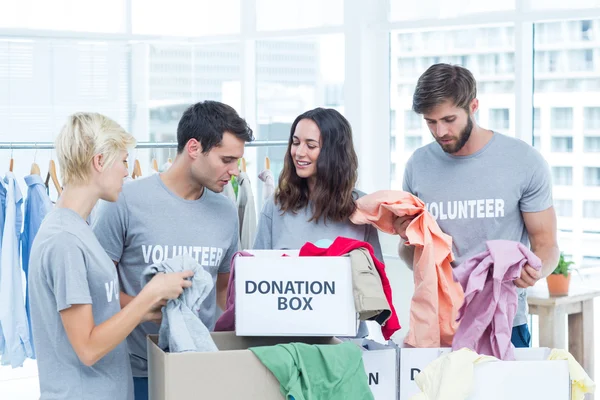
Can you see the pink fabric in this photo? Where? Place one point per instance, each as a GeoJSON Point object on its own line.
{"type": "Point", "coordinates": [226, 321]}
{"type": "Point", "coordinates": [437, 297]}
{"type": "Point", "coordinates": [486, 316]}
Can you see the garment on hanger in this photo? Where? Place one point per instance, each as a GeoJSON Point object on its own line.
{"type": "Point", "coordinates": [37, 205]}
{"type": "Point", "coordinates": [229, 192]}
{"type": "Point", "coordinates": [269, 183]}
{"type": "Point", "coordinates": [437, 298]}
{"type": "Point", "coordinates": [15, 342]}
{"type": "Point", "coordinates": [246, 212]}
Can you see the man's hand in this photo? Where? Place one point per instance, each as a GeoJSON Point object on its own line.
{"type": "Point", "coordinates": [401, 223]}
{"type": "Point", "coordinates": [155, 315]}
{"type": "Point", "coordinates": [529, 276]}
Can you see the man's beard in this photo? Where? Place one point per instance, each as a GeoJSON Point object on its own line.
{"type": "Point", "coordinates": [463, 138]}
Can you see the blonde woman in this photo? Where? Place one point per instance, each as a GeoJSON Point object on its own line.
{"type": "Point", "coordinates": [78, 325]}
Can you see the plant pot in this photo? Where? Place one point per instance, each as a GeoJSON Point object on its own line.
{"type": "Point", "coordinates": [558, 284]}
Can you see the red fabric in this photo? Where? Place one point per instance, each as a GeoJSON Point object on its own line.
{"type": "Point", "coordinates": [342, 246]}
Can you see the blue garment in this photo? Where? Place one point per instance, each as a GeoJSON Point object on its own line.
{"type": "Point", "coordinates": [37, 205]}
{"type": "Point", "coordinates": [13, 318]}
{"type": "Point", "coordinates": [140, 388]}
{"type": "Point", "coordinates": [520, 336]}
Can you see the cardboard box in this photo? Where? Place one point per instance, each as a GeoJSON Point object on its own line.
{"type": "Point", "coordinates": [233, 373]}
{"type": "Point", "coordinates": [381, 366]}
{"type": "Point", "coordinates": [529, 376]}
{"type": "Point", "coordinates": [294, 296]}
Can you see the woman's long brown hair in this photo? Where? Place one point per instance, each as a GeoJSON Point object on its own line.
{"type": "Point", "coordinates": [337, 171]}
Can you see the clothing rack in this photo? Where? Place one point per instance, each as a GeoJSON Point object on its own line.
{"type": "Point", "coordinates": [140, 145]}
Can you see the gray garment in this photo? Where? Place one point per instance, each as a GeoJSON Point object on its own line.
{"type": "Point", "coordinates": [291, 231]}
{"type": "Point", "coordinates": [246, 212]}
{"type": "Point", "coordinates": [369, 298]}
{"type": "Point", "coordinates": [67, 267]}
{"type": "Point", "coordinates": [181, 329]}
{"type": "Point", "coordinates": [149, 224]}
{"type": "Point", "coordinates": [481, 197]}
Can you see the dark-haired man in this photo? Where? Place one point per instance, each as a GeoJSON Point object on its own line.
{"type": "Point", "coordinates": [480, 185]}
{"type": "Point", "coordinates": [178, 211]}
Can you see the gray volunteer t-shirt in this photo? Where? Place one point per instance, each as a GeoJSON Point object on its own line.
{"type": "Point", "coordinates": [291, 231]}
{"type": "Point", "coordinates": [149, 224]}
{"type": "Point", "coordinates": [68, 266]}
{"type": "Point", "coordinates": [481, 197]}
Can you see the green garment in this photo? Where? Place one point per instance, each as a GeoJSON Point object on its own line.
{"type": "Point", "coordinates": [317, 372]}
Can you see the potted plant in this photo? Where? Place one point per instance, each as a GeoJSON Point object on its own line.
{"type": "Point", "coordinates": [558, 280]}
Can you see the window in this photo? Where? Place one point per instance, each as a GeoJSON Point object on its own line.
{"type": "Point", "coordinates": [297, 14]}
{"type": "Point", "coordinates": [499, 119]}
{"type": "Point", "coordinates": [591, 209]}
{"type": "Point", "coordinates": [486, 50]}
{"type": "Point", "coordinates": [537, 143]}
{"type": "Point", "coordinates": [289, 83]}
{"type": "Point", "coordinates": [564, 208]}
{"type": "Point", "coordinates": [591, 144]}
{"type": "Point", "coordinates": [393, 120]}
{"type": "Point", "coordinates": [591, 118]}
{"type": "Point", "coordinates": [562, 118]}
{"type": "Point", "coordinates": [412, 120]}
{"type": "Point", "coordinates": [392, 143]}
{"type": "Point", "coordinates": [536, 119]}
{"type": "Point", "coordinates": [559, 4]}
{"type": "Point", "coordinates": [562, 144]}
{"type": "Point", "coordinates": [591, 176]}
{"type": "Point", "coordinates": [185, 17]}
{"type": "Point", "coordinates": [562, 176]}
{"type": "Point", "coordinates": [411, 143]}
{"type": "Point", "coordinates": [402, 10]}
{"type": "Point", "coordinates": [106, 16]}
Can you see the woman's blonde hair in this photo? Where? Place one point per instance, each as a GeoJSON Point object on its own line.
{"type": "Point", "coordinates": [85, 135]}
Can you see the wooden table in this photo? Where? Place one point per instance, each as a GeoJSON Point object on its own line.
{"type": "Point", "coordinates": [553, 312]}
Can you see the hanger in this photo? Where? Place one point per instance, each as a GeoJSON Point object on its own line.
{"type": "Point", "coordinates": [52, 174]}
{"type": "Point", "coordinates": [35, 169]}
{"type": "Point", "coordinates": [155, 164]}
{"type": "Point", "coordinates": [12, 162]}
{"type": "Point", "coordinates": [137, 169]}
{"type": "Point", "coordinates": [267, 163]}
{"type": "Point", "coordinates": [243, 164]}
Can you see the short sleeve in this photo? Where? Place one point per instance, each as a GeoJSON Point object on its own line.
{"type": "Point", "coordinates": [66, 271]}
{"type": "Point", "coordinates": [407, 179]}
{"type": "Point", "coordinates": [537, 192]}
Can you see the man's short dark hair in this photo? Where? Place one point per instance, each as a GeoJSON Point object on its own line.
{"type": "Point", "coordinates": [443, 82]}
{"type": "Point", "coordinates": [207, 121]}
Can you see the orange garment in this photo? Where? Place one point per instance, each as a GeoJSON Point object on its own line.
{"type": "Point", "coordinates": [437, 298]}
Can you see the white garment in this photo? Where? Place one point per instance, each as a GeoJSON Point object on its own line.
{"type": "Point", "coordinates": [15, 343]}
{"type": "Point", "coordinates": [449, 377]}
{"type": "Point", "coordinates": [229, 192]}
{"type": "Point", "coordinates": [269, 183]}
{"type": "Point", "coordinates": [246, 212]}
